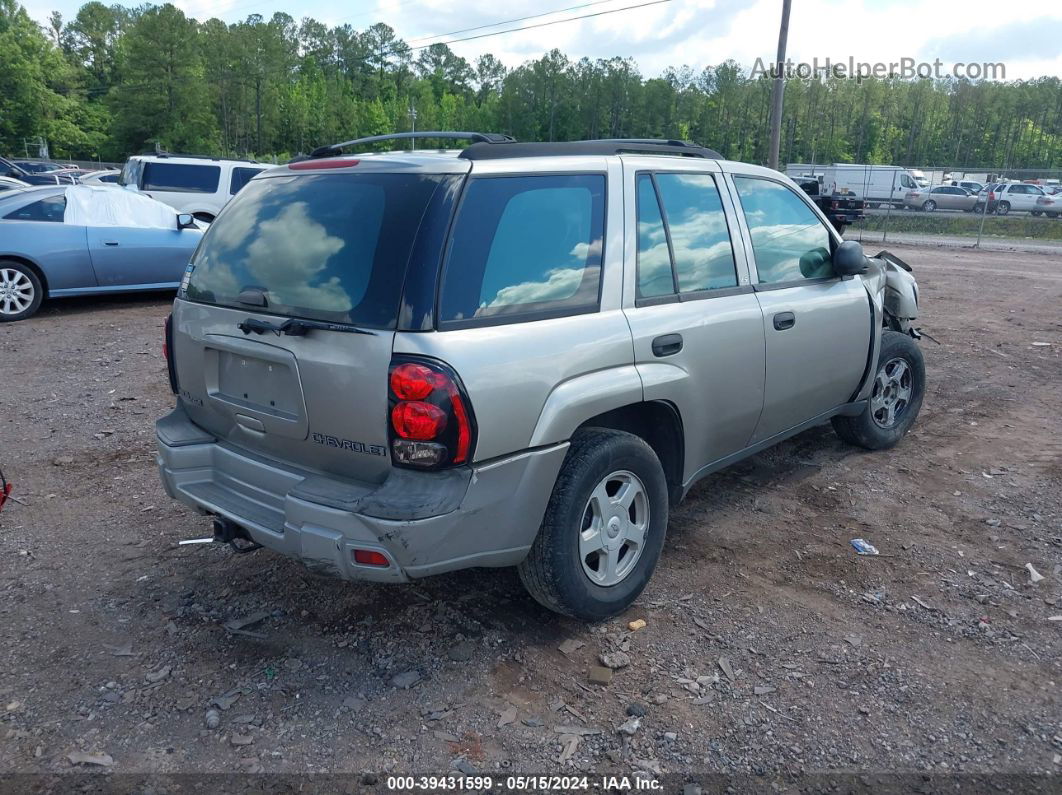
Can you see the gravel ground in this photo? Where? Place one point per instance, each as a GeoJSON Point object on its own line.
{"type": "Point", "coordinates": [770, 648]}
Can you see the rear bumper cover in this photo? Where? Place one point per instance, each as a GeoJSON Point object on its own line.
{"type": "Point", "coordinates": [423, 522]}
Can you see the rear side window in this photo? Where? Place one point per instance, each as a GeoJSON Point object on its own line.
{"type": "Point", "coordinates": [51, 209]}
{"type": "Point", "coordinates": [524, 248]}
{"type": "Point", "coordinates": [789, 241]}
{"type": "Point", "coordinates": [181, 177]}
{"type": "Point", "coordinates": [330, 247]}
{"type": "Point", "coordinates": [240, 177]}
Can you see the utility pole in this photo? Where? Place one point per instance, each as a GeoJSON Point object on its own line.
{"type": "Point", "coordinates": [413, 121]}
{"type": "Point", "coordinates": [778, 89]}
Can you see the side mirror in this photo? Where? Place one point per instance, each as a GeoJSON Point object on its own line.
{"type": "Point", "coordinates": [849, 259]}
{"type": "Point", "coordinates": [186, 221]}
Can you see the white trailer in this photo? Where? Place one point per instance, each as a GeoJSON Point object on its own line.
{"type": "Point", "coordinates": [876, 185]}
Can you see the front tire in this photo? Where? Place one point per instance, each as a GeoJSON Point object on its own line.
{"type": "Point", "coordinates": [21, 291]}
{"type": "Point", "coordinates": [603, 528]}
{"type": "Point", "coordinates": [895, 400]}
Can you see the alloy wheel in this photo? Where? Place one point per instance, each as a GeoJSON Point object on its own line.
{"type": "Point", "coordinates": [893, 386]}
{"type": "Point", "coordinates": [16, 292]}
{"type": "Point", "coordinates": [614, 525]}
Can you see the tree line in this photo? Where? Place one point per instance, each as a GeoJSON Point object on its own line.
{"type": "Point", "coordinates": [114, 81]}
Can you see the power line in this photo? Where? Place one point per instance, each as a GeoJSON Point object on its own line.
{"type": "Point", "coordinates": [510, 21]}
{"type": "Point", "coordinates": [526, 27]}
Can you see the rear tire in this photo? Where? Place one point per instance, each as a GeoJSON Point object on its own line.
{"type": "Point", "coordinates": [929, 206]}
{"type": "Point", "coordinates": [1035, 213]}
{"type": "Point", "coordinates": [564, 571]}
{"type": "Point", "coordinates": [1002, 208]}
{"type": "Point", "coordinates": [21, 291]}
{"type": "Point", "coordinates": [894, 403]}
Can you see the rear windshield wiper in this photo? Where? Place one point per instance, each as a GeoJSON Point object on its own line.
{"type": "Point", "coordinates": [296, 327]}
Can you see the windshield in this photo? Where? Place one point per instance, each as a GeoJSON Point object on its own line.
{"type": "Point", "coordinates": [330, 247]}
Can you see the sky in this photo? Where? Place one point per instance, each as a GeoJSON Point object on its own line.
{"type": "Point", "coordinates": [1026, 36]}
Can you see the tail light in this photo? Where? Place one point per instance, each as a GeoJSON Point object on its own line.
{"type": "Point", "coordinates": [430, 419]}
{"type": "Point", "coordinates": [167, 352]}
{"type": "Point", "coordinates": [835, 205]}
{"type": "Point", "coordinates": [991, 196]}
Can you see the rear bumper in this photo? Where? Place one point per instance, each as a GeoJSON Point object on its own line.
{"type": "Point", "coordinates": [424, 523]}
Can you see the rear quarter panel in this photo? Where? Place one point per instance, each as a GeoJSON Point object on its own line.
{"type": "Point", "coordinates": [59, 250]}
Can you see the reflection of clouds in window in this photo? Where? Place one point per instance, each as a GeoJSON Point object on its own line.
{"type": "Point", "coordinates": [704, 258]}
{"type": "Point", "coordinates": [785, 232]}
{"type": "Point", "coordinates": [559, 284]}
{"type": "Point", "coordinates": [289, 252]}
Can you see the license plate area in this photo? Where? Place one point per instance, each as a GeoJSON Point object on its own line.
{"type": "Point", "coordinates": [255, 386]}
{"type": "Point", "coordinates": [262, 386]}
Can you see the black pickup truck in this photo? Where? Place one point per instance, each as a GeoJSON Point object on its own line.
{"type": "Point", "coordinates": [841, 208]}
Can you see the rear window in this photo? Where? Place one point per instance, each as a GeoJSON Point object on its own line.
{"type": "Point", "coordinates": [524, 248]}
{"type": "Point", "coordinates": [326, 247]}
{"type": "Point", "coordinates": [181, 177]}
{"type": "Point", "coordinates": [241, 175]}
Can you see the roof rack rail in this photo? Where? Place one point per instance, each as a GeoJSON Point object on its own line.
{"type": "Point", "coordinates": [475, 137]}
{"type": "Point", "coordinates": [604, 146]}
{"type": "Point", "coordinates": [197, 157]}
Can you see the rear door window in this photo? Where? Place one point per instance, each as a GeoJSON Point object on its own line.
{"type": "Point", "coordinates": [524, 248]}
{"type": "Point", "coordinates": [697, 248]}
{"type": "Point", "coordinates": [324, 246]}
{"type": "Point", "coordinates": [181, 177]}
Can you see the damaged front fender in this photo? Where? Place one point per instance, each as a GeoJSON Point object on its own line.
{"type": "Point", "coordinates": [894, 290]}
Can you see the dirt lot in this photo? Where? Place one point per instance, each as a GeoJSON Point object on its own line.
{"type": "Point", "coordinates": [771, 649]}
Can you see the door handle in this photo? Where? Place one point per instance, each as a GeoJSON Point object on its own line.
{"type": "Point", "coordinates": [110, 242]}
{"type": "Point", "coordinates": [667, 345]}
{"type": "Point", "coordinates": [784, 320]}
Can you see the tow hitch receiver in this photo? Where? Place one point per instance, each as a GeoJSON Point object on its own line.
{"type": "Point", "coordinates": [226, 532]}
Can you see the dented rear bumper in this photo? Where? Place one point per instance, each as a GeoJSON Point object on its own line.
{"type": "Point", "coordinates": [423, 522]}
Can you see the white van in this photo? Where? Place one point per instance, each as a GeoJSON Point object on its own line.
{"type": "Point", "coordinates": [191, 184]}
{"type": "Point", "coordinates": [876, 185]}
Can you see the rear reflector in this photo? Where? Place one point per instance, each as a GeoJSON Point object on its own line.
{"type": "Point", "coordinates": [313, 165]}
{"type": "Point", "coordinates": [370, 557]}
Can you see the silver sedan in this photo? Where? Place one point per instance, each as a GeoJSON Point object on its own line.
{"type": "Point", "coordinates": [944, 197]}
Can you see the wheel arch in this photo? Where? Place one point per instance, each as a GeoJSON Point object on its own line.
{"type": "Point", "coordinates": [659, 424]}
{"type": "Point", "coordinates": [37, 269]}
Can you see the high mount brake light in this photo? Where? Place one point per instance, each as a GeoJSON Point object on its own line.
{"type": "Point", "coordinates": [431, 423]}
{"type": "Point", "coordinates": [313, 165]}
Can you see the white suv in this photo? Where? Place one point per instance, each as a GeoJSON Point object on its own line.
{"type": "Point", "coordinates": [1020, 196]}
{"type": "Point", "coordinates": [191, 184]}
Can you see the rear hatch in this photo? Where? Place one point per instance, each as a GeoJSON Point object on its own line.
{"type": "Point", "coordinates": [324, 251]}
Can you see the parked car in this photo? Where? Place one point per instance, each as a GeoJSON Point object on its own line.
{"type": "Point", "coordinates": [39, 166]}
{"type": "Point", "coordinates": [1019, 197]}
{"type": "Point", "coordinates": [189, 183]}
{"type": "Point", "coordinates": [969, 184]}
{"type": "Point", "coordinates": [79, 240]}
{"type": "Point", "coordinates": [988, 195]}
{"type": "Point", "coordinates": [9, 183]}
{"type": "Point", "coordinates": [841, 208]}
{"type": "Point", "coordinates": [9, 169]}
{"type": "Point", "coordinates": [943, 197]}
{"type": "Point", "coordinates": [396, 365]}
{"type": "Point", "coordinates": [108, 176]}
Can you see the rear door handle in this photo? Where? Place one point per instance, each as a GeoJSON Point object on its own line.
{"type": "Point", "coordinates": [667, 345]}
{"type": "Point", "coordinates": [784, 320]}
{"type": "Point", "coordinates": [110, 242]}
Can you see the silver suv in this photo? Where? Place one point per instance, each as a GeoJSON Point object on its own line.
{"type": "Point", "coordinates": [516, 354]}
